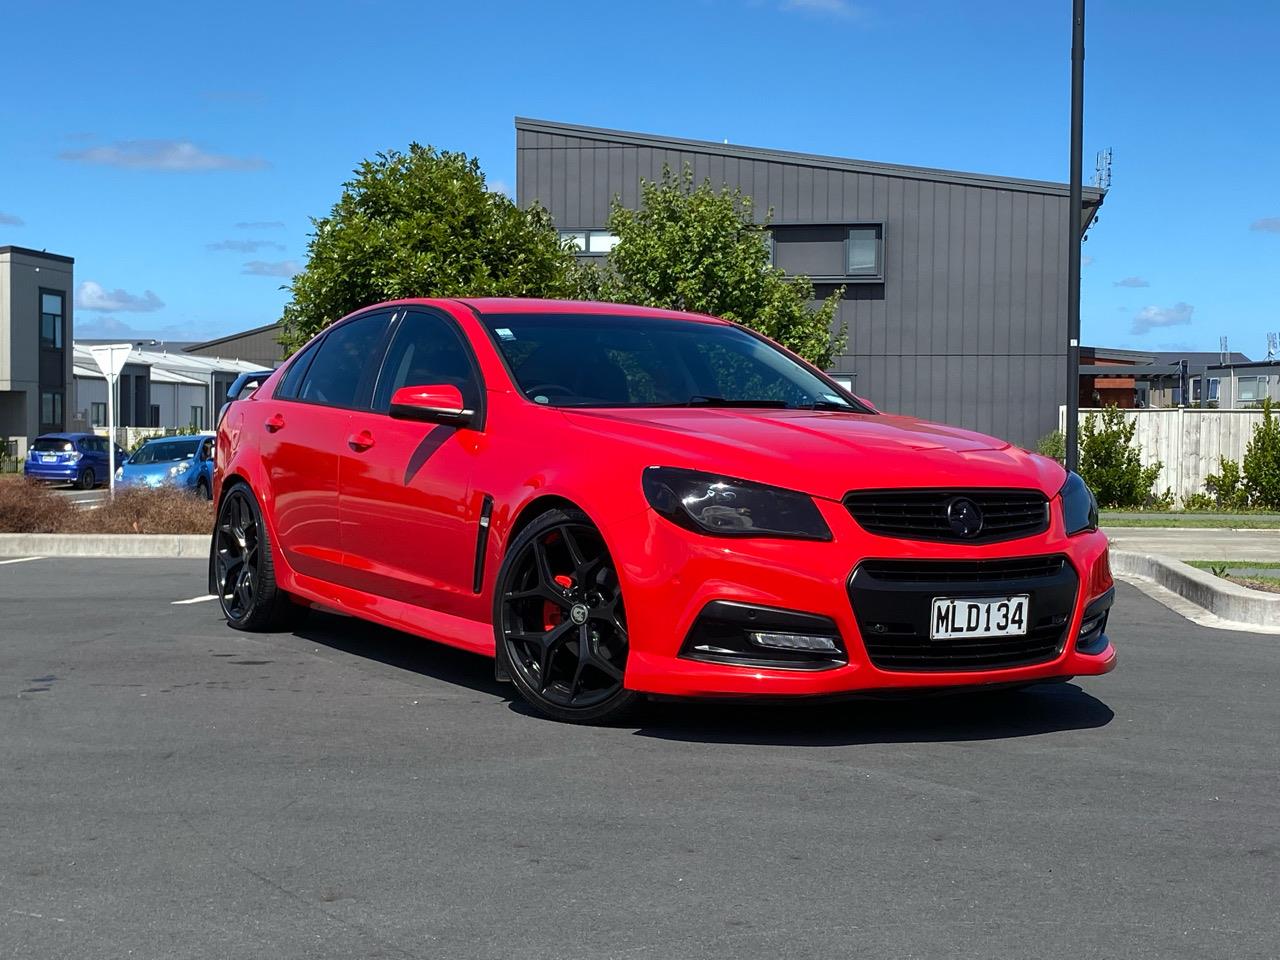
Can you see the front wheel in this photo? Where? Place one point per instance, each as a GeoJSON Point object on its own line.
{"type": "Point", "coordinates": [243, 571]}
{"type": "Point", "coordinates": [559, 623]}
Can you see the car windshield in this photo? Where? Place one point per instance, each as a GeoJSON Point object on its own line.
{"type": "Point", "coordinates": [610, 360]}
{"type": "Point", "coordinates": [51, 445]}
{"type": "Point", "coordinates": [165, 451]}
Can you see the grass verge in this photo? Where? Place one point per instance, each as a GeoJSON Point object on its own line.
{"type": "Point", "coordinates": [1190, 521]}
{"type": "Point", "coordinates": [1252, 579]}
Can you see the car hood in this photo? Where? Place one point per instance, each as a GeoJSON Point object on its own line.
{"type": "Point", "coordinates": [823, 453]}
{"type": "Point", "coordinates": [149, 469]}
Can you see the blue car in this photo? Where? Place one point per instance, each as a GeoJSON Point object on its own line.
{"type": "Point", "coordinates": [77, 458]}
{"type": "Point", "coordinates": [182, 462]}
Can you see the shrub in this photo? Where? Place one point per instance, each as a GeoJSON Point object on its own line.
{"type": "Point", "coordinates": [1226, 487]}
{"type": "Point", "coordinates": [1111, 463]}
{"type": "Point", "coordinates": [1053, 445]}
{"type": "Point", "coordinates": [1262, 461]}
{"type": "Point", "coordinates": [29, 507]}
{"type": "Point", "coordinates": [1199, 503]}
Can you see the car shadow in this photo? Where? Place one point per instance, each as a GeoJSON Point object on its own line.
{"type": "Point", "coordinates": [998, 715]}
{"type": "Point", "coordinates": [404, 651]}
{"type": "Point", "coordinates": [1043, 708]}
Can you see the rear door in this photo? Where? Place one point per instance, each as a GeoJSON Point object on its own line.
{"type": "Point", "coordinates": [409, 525]}
{"type": "Point", "coordinates": [303, 436]}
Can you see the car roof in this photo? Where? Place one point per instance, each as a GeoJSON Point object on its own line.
{"type": "Point", "coordinates": [500, 305]}
{"type": "Point", "coordinates": [65, 436]}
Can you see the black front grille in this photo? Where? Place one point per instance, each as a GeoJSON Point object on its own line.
{"type": "Point", "coordinates": [893, 601]}
{"type": "Point", "coordinates": [923, 514]}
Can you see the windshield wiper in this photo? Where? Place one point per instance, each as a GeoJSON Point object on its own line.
{"type": "Point", "coordinates": [703, 400]}
{"type": "Point", "coordinates": [828, 405]}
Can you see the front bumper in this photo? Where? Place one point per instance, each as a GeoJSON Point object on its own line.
{"type": "Point", "coordinates": [673, 578]}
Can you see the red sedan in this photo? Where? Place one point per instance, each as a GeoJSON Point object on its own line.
{"type": "Point", "coordinates": [618, 501]}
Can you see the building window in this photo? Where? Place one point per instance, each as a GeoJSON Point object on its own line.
{"type": "Point", "coordinates": [197, 417]}
{"type": "Point", "coordinates": [155, 415]}
{"type": "Point", "coordinates": [51, 409]}
{"type": "Point", "coordinates": [1247, 390]}
{"type": "Point", "coordinates": [98, 414]}
{"type": "Point", "coordinates": [1214, 384]}
{"type": "Point", "coordinates": [51, 316]}
{"type": "Point", "coordinates": [590, 242]}
{"type": "Point", "coordinates": [865, 250]}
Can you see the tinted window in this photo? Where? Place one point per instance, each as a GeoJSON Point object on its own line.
{"type": "Point", "coordinates": [604, 360]}
{"type": "Point", "coordinates": [165, 451]}
{"type": "Point", "coordinates": [51, 445]}
{"type": "Point", "coordinates": [427, 350]}
{"type": "Point", "coordinates": [287, 388]}
{"type": "Point", "coordinates": [338, 370]}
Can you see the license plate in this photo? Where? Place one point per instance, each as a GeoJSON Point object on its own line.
{"type": "Point", "coordinates": [48, 459]}
{"type": "Point", "coordinates": [978, 617]}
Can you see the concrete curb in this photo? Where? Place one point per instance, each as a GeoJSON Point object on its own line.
{"type": "Point", "coordinates": [1237, 606]}
{"type": "Point", "coordinates": [141, 545]}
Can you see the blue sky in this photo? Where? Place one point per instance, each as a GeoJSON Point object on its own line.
{"type": "Point", "coordinates": [177, 150]}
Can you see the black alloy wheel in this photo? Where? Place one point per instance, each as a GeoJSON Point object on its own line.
{"type": "Point", "coordinates": [243, 574]}
{"type": "Point", "coordinates": [560, 625]}
{"type": "Point", "coordinates": [88, 480]}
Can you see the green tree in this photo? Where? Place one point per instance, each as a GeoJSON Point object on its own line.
{"type": "Point", "coordinates": [1111, 463]}
{"type": "Point", "coordinates": [417, 224]}
{"type": "Point", "coordinates": [697, 248]}
{"type": "Point", "coordinates": [1262, 461]}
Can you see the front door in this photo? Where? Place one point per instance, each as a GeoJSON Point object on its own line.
{"type": "Point", "coordinates": [305, 427]}
{"type": "Point", "coordinates": [409, 525]}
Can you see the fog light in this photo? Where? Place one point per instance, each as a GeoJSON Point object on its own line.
{"type": "Point", "coordinates": [793, 641]}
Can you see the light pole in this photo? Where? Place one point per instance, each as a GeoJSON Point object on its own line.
{"type": "Point", "coordinates": [1073, 241]}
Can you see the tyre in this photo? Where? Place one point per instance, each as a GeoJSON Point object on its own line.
{"type": "Point", "coordinates": [560, 629]}
{"type": "Point", "coordinates": [202, 489]}
{"type": "Point", "coordinates": [87, 479]}
{"type": "Point", "coordinates": [243, 573]}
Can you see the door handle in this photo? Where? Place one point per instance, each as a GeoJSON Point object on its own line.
{"type": "Point", "coordinates": [274, 422]}
{"type": "Point", "coordinates": [360, 442]}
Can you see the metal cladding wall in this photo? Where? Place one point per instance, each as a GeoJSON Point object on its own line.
{"type": "Point", "coordinates": [968, 325]}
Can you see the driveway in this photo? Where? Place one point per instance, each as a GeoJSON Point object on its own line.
{"type": "Point", "coordinates": [170, 788]}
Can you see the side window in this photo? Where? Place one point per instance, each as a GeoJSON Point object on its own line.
{"type": "Point", "coordinates": [427, 350]}
{"type": "Point", "coordinates": [287, 388]}
{"type": "Point", "coordinates": [343, 361]}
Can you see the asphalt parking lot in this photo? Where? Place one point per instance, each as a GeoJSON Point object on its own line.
{"type": "Point", "coordinates": [170, 788]}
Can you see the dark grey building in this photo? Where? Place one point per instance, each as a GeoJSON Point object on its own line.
{"type": "Point", "coordinates": [956, 283]}
{"type": "Point", "coordinates": [261, 345]}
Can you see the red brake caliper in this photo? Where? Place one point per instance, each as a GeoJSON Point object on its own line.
{"type": "Point", "coordinates": [552, 614]}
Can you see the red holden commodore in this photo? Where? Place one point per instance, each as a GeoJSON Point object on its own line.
{"type": "Point", "coordinates": [619, 501]}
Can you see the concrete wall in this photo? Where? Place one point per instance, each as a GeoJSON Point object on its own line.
{"type": "Point", "coordinates": [968, 325]}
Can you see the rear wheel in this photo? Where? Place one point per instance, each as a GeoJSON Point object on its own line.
{"type": "Point", "coordinates": [88, 480]}
{"type": "Point", "coordinates": [243, 572]}
{"type": "Point", "coordinates": [559, 623]}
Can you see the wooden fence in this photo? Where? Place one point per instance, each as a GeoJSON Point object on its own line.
{"type": "Point", "coordinates": [1187, 442]}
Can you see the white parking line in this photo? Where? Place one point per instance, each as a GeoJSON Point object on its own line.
{"type": "Point", "coordinates": [200, 599]}
{"type": "Point", "coordinates": [20, 560]}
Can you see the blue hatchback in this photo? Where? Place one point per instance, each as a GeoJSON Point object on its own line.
{"type": "Point", "coordinates": [79, 458]}
{"type": "Point", "coordinates": [183, 462]}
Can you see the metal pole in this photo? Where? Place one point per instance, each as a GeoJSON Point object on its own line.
{"type": "Point", "coordinates": [1073, 241]}
{"type": "Point", "coordinates": [111, 438]}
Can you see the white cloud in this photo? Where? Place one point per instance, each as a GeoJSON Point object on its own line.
{"type": "Point", "coordinates": [9, 220]}
{"type": "Point", "coordinates": [831, 8]}
{"type": "Point", "coordinates": [1266, 225]}
{"type": "Point", "coordinates": [260, 225]}
{"type": "Point", "coordinates": [245, 246]}
{"type": "Point", "coordinates": [265, 268]}
{"type": "Point", "coordinates": [1149, 318]}
{"type": "Point", "coordinates": [500, 186]}
{"type": "Point", "coordinates": [180, 156]}
{"type": "Point", "coordinates": [1086, 261]}
{"type": "Point", "coordinates": [91, 295]}
{"type": "Point", "coordinates": [1132, 282]}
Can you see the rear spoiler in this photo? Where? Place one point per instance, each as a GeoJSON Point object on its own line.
{"type": "Point", "coordinates": [244, 384]}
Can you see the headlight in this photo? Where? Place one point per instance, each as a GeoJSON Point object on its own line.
{"type": "Point", "coordinates": [707, 503]}
{"type": "Point", "coordinates": [1079, 506]}
{"type": "Point", "coordinates": [180, 469]}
